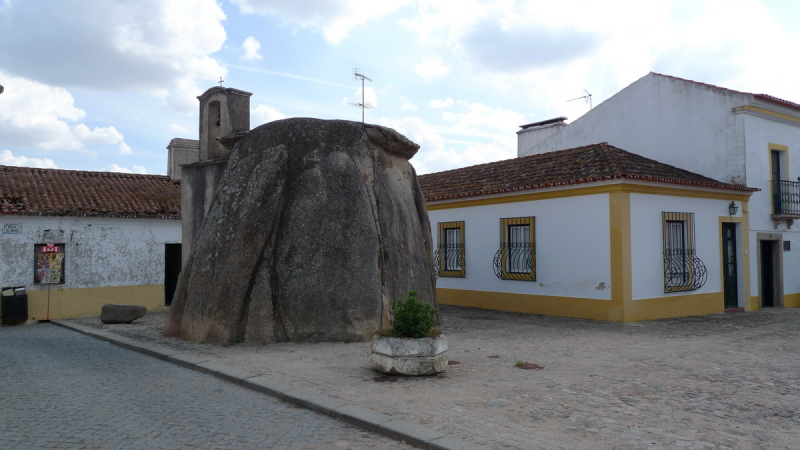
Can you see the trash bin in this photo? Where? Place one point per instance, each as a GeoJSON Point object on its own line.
{"type": "Point", "coordinates": [14, 304]}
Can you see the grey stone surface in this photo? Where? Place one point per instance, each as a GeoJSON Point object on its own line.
{"type": "Point", "coordinates": [114, 313]}
{"type": "Point", "coordinates": [317, 402]}
{"type": "Point", "coordinates": [55, 394]}
{"type": "Point", "coordinates": [409, 432]}
{"type": "Point", "coordinates": [406, 356]}
{"type": "Point", "coordinates": [315, 227]}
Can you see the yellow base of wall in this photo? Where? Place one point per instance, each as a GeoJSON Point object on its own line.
{"type": "Point", "coordinates": [587, 308]}
{"type": "Point", "coordinates": [80, 302]}
{"type": "Point", "coordinates": [675, 306]}
{"type": "Point", "coordinates": [579, 308]}
{"type": "Point", "coordinates": [791, 301]}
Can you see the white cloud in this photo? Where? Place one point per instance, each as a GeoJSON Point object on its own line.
{"type": "Point", "coordinates": [8, 159]}
{"type": "Point", "coordinates": [431, 68]}
{"type": "Point", "coordinates": [35, 115]}
{"type": "Point", "coordinates": [175, 128]}
{"type": "Point", "coordinates": [251, 46]}
{"type": "Point", "coordinates": [477, 116]}
{"type": "Point", "coordinates": [437, 103]}
{"type": "Point", "coordinates": [335, 18]}
{"type": "Point", "coordinates": [124, 149]}
{"type": "Point", "coordinates": [407, 105]}
{"type": "Point", "coordinates": [159, 47]}
{"type": "Point", "coordinates": [262, 114]}
{"type": "Point", "coordinates": [118, 168]}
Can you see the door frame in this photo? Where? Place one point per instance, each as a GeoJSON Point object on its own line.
{"type": "Point", "coordinates": [776, 242]}
{"type": "Point", "coordinates": [724, 266]}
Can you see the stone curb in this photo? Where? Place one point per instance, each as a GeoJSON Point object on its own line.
{"type": "Point", "coordinates": [411, 433]}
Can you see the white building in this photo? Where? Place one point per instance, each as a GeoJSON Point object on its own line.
{"type": "Point", "coordinates": [114, 238]}
{"type": "Point", "coordinates": [736, 137]}
{"type": "Point", "coordinates": [591, 232]}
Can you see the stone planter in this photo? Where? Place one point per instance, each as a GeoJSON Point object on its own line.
{"type": "Point", "coordinates": [408, 356]}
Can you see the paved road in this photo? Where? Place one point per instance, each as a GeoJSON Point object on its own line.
{"type": "Point", "coordinates": [61, 389]}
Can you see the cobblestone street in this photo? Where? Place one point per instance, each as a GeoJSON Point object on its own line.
{"type": "Point", "coordinates": [718, 381]}
{"type": "Point", "coordinates": [61, 389]}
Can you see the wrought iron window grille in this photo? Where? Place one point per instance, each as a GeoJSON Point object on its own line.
{"type": "Point", "coordinates": [516, 257]}
{"type": "Point", "coordinates": [449, 259]}
{"type": "Point", "coordinates": [683, 270]}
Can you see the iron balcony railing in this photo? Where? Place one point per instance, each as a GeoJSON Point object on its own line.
{"type": "Point", "coordinates": [515, 261]}
{"type": "Point", "coordinates": [786, 197]}
{"type": "Point", "coordinates": [683, 271]}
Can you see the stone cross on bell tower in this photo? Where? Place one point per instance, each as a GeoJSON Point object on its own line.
{"type": "Point", "coordinates": [224, 113]}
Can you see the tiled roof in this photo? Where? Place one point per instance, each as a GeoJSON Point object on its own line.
{"type": "Point", "coordinates": [765, 97]}
{"type": "Point", "coordinates": [50, 192]}
{"type": "Point", "coordinates": [591, 163]}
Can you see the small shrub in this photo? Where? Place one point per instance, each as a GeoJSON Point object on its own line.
{"type": "Point", "coordinates": [412, 318]}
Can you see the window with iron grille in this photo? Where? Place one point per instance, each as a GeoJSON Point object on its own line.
{"type": "Point", "coordinates": [449, 258]}
{"type": "Point", "coordinates": [516, 257]}
{"type": "Point", "coordinates": [683, 270]}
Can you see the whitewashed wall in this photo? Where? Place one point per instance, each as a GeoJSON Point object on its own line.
{"type": "Point", "coordinates": [647, 258]}
{"type": "Point", "coordinates": [99, 251]}
{"type": "Point", "coordinates": [684, 124]}
{"type": "Point", "coordinates": [760, 132]}
{"type": "Point", "coordinates": [572, 246]}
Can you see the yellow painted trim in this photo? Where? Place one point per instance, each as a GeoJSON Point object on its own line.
{"type": "Point", "coordinates": [453, 273]}
{"type": "Point", "coordinates": [620, 240]}
{"type": "Point", "coordinates": [675, 306]}
{"type": "Point", "coordinates": [768, 112]}
{"type": "Point", "coordinates": [531, 223]}
{"type": "Point", "coordinates": [754, 304]}
{"type": "Point", "coordinates": [579, 308]}
{"type": "Point", "coordinates": [593, 190]}
{"type": "Point", "coordinates": [791, 301]}
{"type": "Point", "coordinates": [83, 301]}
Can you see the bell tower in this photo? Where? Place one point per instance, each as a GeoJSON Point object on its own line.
{"type": "Point", "coordinates": [223, 111]}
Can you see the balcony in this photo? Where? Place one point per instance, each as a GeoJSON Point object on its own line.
{"type": "Point", "coordinates": [785, 199]}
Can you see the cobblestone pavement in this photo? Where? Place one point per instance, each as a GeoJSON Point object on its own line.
{"type": "Point", "coordinates": [719, 381]}
{"type": "Point", "coordinates": [61, 389]}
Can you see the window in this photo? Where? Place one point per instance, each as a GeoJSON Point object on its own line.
{"type": "Point", "coordinates": [516, 257]}
{"type": "Point", "coordinates": [48, 262]}
{"type": "Point", "coordinates": [683, 270]}
{"type": "Point", "coordinates": [449, 257]}
{"type": "Point", "coordinates": [785, 193]}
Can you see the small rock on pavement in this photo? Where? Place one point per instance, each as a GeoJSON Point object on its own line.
{"type": "Point", "coordinates": [114, 313]}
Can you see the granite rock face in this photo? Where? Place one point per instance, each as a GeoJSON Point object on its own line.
{"type": "Point", "coordinates": [316, 227]}
{"type": "Point", "coordinates": [114, 313]}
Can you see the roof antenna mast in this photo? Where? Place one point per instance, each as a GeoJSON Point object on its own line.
{"type": "Point", "coordinates": [363, 105]}
{"type": "Point", "coordinates": [588, 98]}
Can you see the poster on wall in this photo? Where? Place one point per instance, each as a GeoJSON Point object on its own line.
{"type": "Point", "coordinates": [49, 264]}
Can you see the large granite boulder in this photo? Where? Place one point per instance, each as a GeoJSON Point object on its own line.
{"type": "Point", "coordinates": [316, 227]}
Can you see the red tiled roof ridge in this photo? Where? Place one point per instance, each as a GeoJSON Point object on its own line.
{"type": "Point", "coordinates": [586, 164]}
{"type": "Point", "coordinates": [766, 97]}
{"type": "Point", "coordinates": [59, 192]}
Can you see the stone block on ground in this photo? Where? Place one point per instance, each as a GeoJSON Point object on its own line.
{"type": "Point", "coordinates": [114, 313]}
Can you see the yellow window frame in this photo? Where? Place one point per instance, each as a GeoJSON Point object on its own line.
{"type": "Point", "coordinates": [507, 254]}
{"type": "Point", "coordinates": [446, 255]}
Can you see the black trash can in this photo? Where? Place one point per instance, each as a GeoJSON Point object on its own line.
{"type": "Point", "coordinates": [14, 304]}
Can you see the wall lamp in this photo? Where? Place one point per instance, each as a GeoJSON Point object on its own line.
{"type": "Point", "coordinates": [732, 208]}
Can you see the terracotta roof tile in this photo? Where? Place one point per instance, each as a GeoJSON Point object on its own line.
{"type": "Point", "coordinates": [52, 192]}
{"type": "Point", "coordinates": [586, 164]}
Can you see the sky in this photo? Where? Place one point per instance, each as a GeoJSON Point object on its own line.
{"type": "Point", "coordinates": [104, 85]}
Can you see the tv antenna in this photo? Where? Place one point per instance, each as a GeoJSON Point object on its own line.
{"type": "Point", "coordinates": [363, 105]}
{"type": "Point", "coordinates": [588, 98]}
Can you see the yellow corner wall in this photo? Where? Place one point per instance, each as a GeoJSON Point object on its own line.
{"type": "Point", "coordinates": [80, 302]}
{"type": "Point", "coordinates": [579, 308]}
{"type": "Point", "coordinates": [790, 301]}
{"type": "Point", "coordinates": [675, 306]}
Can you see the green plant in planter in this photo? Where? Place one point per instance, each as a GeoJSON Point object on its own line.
{"type": "Point", "coordinates": [412, 318]}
